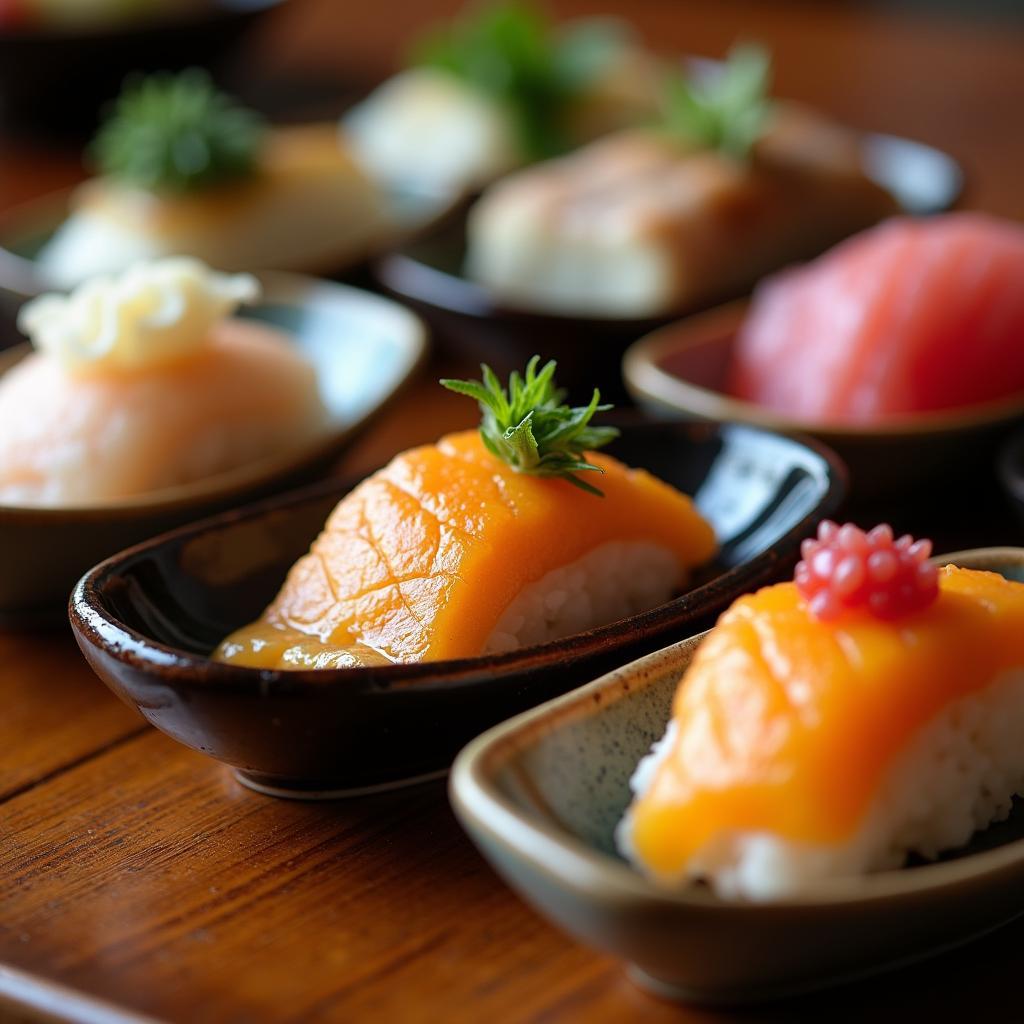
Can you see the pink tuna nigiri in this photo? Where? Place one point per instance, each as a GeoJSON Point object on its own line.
{"type": "Point", "coordinates": [911, 316]}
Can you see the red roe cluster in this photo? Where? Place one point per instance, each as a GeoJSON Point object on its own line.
{"type": "Point", "coordinates": [846, 568]}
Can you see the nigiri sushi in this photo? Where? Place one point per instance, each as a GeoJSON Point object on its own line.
{"type": "Point", "coordinates": [830, 726]}
{"type": "Point", "coordinates": [143, 382]}
{"type": "Point", "coordinates": [649, 220]}
{"type": "Point", "coordinates": [186, 171]}
{"type": "Point", "coordinates": [484, 542]}
{"type": "Point", "coordinates": [912, 316]}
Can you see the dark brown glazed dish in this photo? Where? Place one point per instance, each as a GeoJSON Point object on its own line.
{"type": "Point", "coordinates": [147, 618]}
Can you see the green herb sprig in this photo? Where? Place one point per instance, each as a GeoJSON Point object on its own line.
{"type": "Point", "coordinates": [726, 110]}
{"type": "Point", "coordinates": [512, 52]}
{"type": "Point", "coordinates": [527, 426]}
{"type": "Point", "coordinates": [177, 133]}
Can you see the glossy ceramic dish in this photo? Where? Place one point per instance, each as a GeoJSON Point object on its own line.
{"type": "Point", "coordinates": [428, 274]}
{"type": "Point", "coordinates": [147, 619]}
{"type": "Point", "coordinates": [364, 349]}
{"type": "Point", "coordinates": [679, 369]}
{"type": "Point", "coordinates": [541, 796]}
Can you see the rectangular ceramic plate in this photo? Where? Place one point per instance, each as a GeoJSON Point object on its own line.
{"type": "Point", "coordinates": [541, 795]}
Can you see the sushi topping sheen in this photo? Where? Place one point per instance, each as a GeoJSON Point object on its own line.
{"type": "Point", "coordinates": [527, 426]}
{"type": "Point", "coordinates": [846, 568]}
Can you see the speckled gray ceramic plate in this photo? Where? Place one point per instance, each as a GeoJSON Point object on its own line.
{"type": "Point", "coordinates": [364, 349]}
{"type": "Point", "coordinates": [541, 796]}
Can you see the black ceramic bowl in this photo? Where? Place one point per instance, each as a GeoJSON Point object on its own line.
{"type": "Point", "coordinates": [55, 79]}
{"type": "Point", "coordinates": [428, 275]}
{"type": "Point", "coordinates": [147, 619]}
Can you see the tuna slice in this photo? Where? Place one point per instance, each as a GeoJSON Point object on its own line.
{"type": "Point", "coordinates": [911, 316]}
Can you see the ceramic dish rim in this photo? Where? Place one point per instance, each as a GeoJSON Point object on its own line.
{"type": "Point", "coordinates": [571, 863]}
{"type": "Point", "coordinates": [116, 639]}
{"type": "Point", "coordinates": [646, 378]}
{"type": "Point", "coordinates": [166, 500]}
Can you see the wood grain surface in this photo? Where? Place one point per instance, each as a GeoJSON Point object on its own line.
{"type": "Point", "coordinates": [138, 878]}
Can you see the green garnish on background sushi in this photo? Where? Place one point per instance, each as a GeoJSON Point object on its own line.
{"type": "Point", "coordinates": [527, 425]}
{"type": "Point", "coordinates": [513, 52]}
{"type": "Point", "coordinates": [178, 133]}
{"type": "Point", "coordinates": [726, 110]}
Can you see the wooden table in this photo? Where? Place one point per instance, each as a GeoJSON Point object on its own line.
{"type": "Point", "coordinates": [135, 872]}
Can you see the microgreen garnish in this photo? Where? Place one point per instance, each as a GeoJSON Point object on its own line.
{"type": "Point", "coordinates": [527, 426]}
{"type": "Point", "coordinates": [512, 52]}
{"type": "Point", "coordinates": [726, 109]}
{"type": "Point", "coordinates": [177, 133]}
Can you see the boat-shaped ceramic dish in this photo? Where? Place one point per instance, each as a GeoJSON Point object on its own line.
{"type": "Point", "coordinates": [147, 619]}
{"type": "Point", "coordinates": [680, 370]}
{"type": "Point", "coordinates": [541, 796]}
{"type": "Point", "coordinates": [428, 274]}
{"type": "Point", "coordinates": [26, 228]}
{"type": "Point", "coordinates": [364, 348]}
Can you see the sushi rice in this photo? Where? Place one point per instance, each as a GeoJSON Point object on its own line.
{"type": "Point", "coordinates": [956, 776]}
{"type": "Point", "coordinates": [608, 583]}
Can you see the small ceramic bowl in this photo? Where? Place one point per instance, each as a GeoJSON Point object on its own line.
{"type": "Point", "coordinates": [38, 63]}
{"type": "Point", "coordinates": [680, 369]}
{"type": "Point", "coordinates": [364, 349]}
{"type": "Point", "coordinates": [428, 274]}
{"type": "Point", "coordinates": [147, 619]}
{"type": "Point", "coordinates": [542, 794]}
{"type": "Point", "coordinates": [26, 228]}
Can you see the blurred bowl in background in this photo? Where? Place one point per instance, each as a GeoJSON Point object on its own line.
{"type": "Point", "coordinates": [54, 79]}
{"type": "Point", "coordinates": [680, 370]}
{"type": "Point", "coordinates": [471, 325]}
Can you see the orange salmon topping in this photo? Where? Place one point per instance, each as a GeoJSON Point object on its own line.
{"type": "Point", "coordinates": [422, 558]}
{"type": "Point", "coordinates": [788, 725]}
